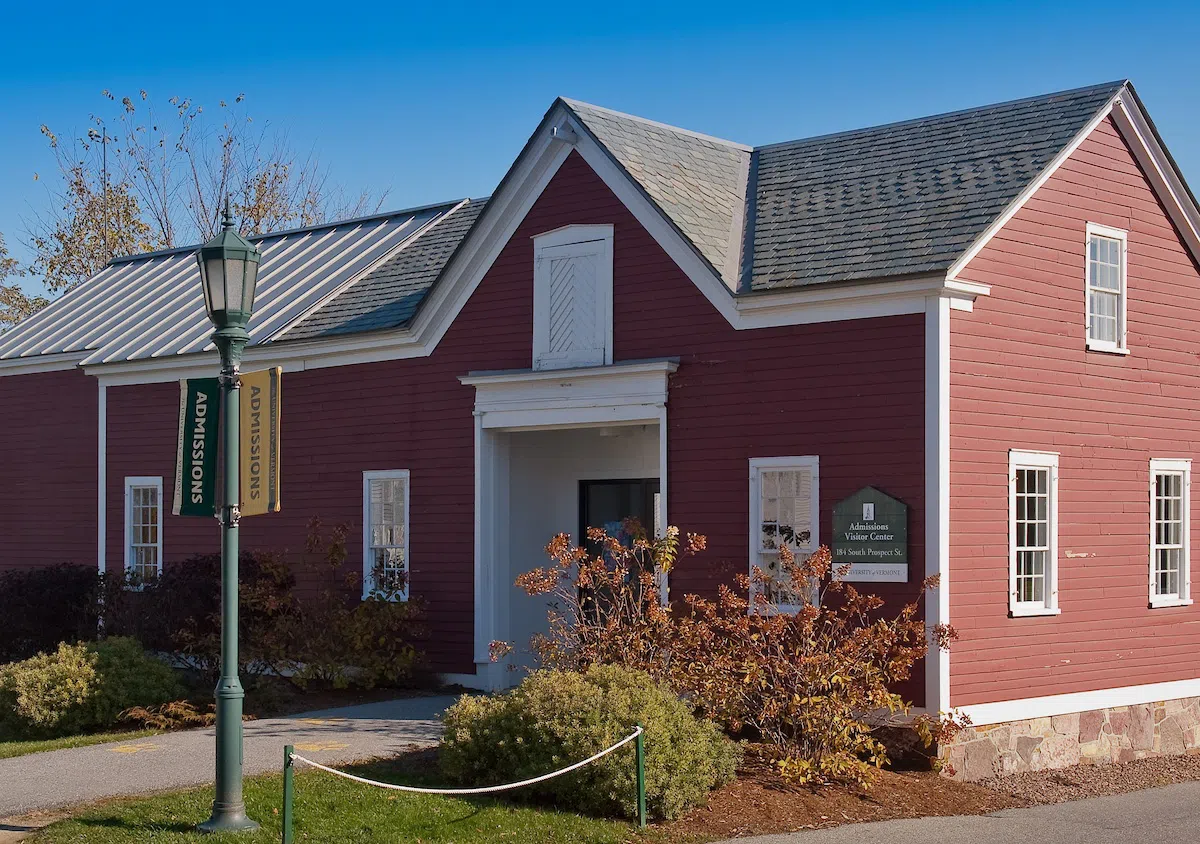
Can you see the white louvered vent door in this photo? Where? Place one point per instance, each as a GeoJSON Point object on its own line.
{"type": "Point", "coordinates": [572, 294]}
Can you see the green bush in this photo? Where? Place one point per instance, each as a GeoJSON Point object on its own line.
{"type": "Point", "coordinates": [80, 688]}
{"type": "Point", "coordinates": [555, 718]}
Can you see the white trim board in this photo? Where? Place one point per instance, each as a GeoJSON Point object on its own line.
{"type": "Point", "coordinates": [1134, 126]}
{"type": "Point", "coordinates": [937, 493]}
{"type": "Point", "coordinates": [982, 714]}
{"type": "Point", "coordinates": [101, 475]}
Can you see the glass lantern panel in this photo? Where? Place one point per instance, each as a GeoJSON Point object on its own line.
{"type": "Point", "coordinates": [235, 271]}
{"type": "Point", "coordinates": [214, 283]}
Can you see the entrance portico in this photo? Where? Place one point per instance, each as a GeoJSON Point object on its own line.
{"type": "Point", "coordinates": [538, 435]}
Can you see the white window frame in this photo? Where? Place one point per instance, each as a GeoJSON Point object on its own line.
{"type": "Point", "coordinates": [1033, 460]}
{"type": "Point", "coordinates": [1121, 346]}
{"type": "Point", "coordinates": [566, 236]}
{"type": "Point", "coordinates": [368, 558]}
{"type": "Point", "coordinates": [810, 463]}
{"type": "Point", "coordinates": [142, 482]}
{"type": "Point", "coordinates": [1184, 598]}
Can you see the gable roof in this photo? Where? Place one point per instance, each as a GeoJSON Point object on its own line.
{"type": "Point", "coordinates": [904, 198]}
{"type": "Point", "coordinates": [885, 203]}
{"type": "Point", "coordinates": [899, 199]}
{"type": "Point", "coordinates": [697, 180]}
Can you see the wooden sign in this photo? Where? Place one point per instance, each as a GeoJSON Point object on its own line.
{"type": "Point", "coordinates": [870, 534]}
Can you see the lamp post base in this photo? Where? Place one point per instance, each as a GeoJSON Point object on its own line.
{"type": "Point", "coordinates": [228, 819]}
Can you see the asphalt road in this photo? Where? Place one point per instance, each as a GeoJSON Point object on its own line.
{"type": "Point", "coordinates": [1168, 815]}
{"type": "Point", "coordinates": [58, 778]}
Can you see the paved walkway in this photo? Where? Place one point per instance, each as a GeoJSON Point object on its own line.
{"type": "Point", "coordinates": [1168, 815]}
{"type": "Point", "coordinates": [43, 781]}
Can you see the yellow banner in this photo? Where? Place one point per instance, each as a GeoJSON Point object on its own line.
{"type": "Point", "coordinates": [260, 442]}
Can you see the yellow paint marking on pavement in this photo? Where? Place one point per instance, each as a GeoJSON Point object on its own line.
{"type": "Point", "coordinates": [322, 745]}
{"type": "Point", "coordinates": [319, 720]}
{"type": "Point", "coordinates": [142, 747]}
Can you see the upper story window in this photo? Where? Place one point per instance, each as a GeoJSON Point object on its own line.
{"type": "Point", "coordinates": [1106, 260]}
{"type": "Point", "coordinates": [784, 509]}
{"type": "Point", "coordinates": [1170, 534]}
{"type": "Point", "coordinates": [385, 533]}
{"type": "Point", "coordinates": [143, 528]}
{"type": "Point", "coordinates": [1033, 533]}
{"type": "Point", "coordinates": [572, 297]}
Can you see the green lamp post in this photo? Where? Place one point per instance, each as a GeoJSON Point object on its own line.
{"type": "Point", "coordinates": [228, 272]}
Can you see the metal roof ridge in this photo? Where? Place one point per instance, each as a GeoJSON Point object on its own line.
{"type": "Point", "coordinates": [382, 215]}
{"type": "Point", "coordinates": [1114, 85]}
{"type": "Point", "coordinates": [571, 104]}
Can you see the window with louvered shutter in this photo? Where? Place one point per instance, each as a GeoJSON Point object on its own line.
{"type": "Point", "coordinates": [573, 298]}
{"type": "Point", "coordinates": [784, 510]}
{"type": "Point", "coordinates": [385, 534]}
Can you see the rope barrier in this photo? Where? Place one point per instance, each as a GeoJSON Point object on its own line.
{"type": "Point", "coordinates": [290, 757]}
{"type": "Point", "coordinates": [483, 790]}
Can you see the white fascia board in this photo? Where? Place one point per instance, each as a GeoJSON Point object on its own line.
{"type": "Point", "coordinates": [1024, 196]}
{"type": "Point", "coordinates": [41, 363]}
{"type": "Point", "coordinates": [983, 714]}
{"type": "Point", "coordinates": [1156, 164]}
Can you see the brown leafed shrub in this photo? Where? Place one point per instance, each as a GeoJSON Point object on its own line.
{"type": "Point", "coordinates": [815, 685]}
{"type": "Point", "coordinates": [341, 638]}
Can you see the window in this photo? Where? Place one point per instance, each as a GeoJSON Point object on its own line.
{"type": "Point", "coordinates": [385, 534]}
{"type": "Point", "coordinates": [1033, 533]}
{"type": "Point", "coordinates": [143, 528]}
{"type": "Point", "coordinates": [1106, 258]}
{"type": "Point", "coordinates": [1170, 534]}
{"type": "Point", "coordinates": [572, 301]}
{"type": "Point", "coordinates": [784, 508]}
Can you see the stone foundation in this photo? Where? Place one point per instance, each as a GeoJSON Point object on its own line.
{"type": "Point", "coordinates": [1100, 737]}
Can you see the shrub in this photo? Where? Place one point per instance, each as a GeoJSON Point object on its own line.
{"type": "Point", "coordinates": [555, 718]}
{"type": "Point", "coordinates": [336, 636]}
{"type": "Point", "coordinates": [45, 606]}
{"type": "Point", "coordinates": [80, 687]}
{"type": "Point", "coordinates": [180, 611]}
{"type": "Point", "coordinates": [812, 684]}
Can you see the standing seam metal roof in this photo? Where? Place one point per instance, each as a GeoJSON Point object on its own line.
{"type": "Point", "coordinates": [151, 306]}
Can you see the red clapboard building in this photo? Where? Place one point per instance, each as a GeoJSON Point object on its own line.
{"type": "Point", "coordinates": [985, 315]}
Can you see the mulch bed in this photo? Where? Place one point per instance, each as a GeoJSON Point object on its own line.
{"type": "Point", "coordinates": [759, 803]}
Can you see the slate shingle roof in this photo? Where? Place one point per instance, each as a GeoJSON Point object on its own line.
{"type": "Point", "coordinates": [700, 182]}
{"type": "Point", "coordinates": [904, 198]}
{"type": "Point", "coordinates": [388, 296]}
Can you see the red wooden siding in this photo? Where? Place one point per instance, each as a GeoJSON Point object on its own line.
{"type": "Point", "coordinates": [48, 469]}
{"type": "Point", "coordinates": [1021, 378]}
{"type": "Point", "coordinates": [850, 392]}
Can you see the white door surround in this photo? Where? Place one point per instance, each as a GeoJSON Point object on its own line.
{"type": "Point", "coordinates": [596, 397]}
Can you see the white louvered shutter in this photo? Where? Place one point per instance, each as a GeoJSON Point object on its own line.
{"type": "Point", "coordinates": [570, 306]}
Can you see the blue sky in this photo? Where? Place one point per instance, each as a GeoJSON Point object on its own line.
{"type": "Point", "coordinates": [433, 103]}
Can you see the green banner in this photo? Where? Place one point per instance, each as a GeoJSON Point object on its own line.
{"type": "Point", "coordinates": [196, 458]}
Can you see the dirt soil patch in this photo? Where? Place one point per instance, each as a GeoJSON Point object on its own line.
{"type": "Point", "coordinates": [1082, 781]}
{"type": "Point", "coordinates": [759, 803]}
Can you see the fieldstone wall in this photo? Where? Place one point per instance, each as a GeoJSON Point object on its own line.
{"type": "Point", "coordinates": [1099, 737]}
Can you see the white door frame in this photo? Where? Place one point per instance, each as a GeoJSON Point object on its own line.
{"type": "Point", "coordinates": [621, 394]}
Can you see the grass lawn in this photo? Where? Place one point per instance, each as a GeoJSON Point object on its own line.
{"type": "Point", "coordinates": [329, 809]}
{"type": "Point", "coordinates": [9, 749]}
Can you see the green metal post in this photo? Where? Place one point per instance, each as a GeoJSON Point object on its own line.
{"type": "Point", "coordinates": [640, 747]}
{"type": "Point", "coordinates": [288, 795]}
{"type": "Point", "coordinates": [229, 808]}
